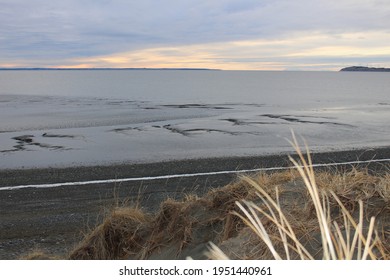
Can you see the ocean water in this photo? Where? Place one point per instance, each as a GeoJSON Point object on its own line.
{"type": "Point", "coordinates": [93, 117]}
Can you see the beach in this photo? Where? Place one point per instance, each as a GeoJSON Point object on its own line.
{"type": "Point", "coordinates": [147, 133]}
{"type": "Point", "coordinates": [55, 219]}
{"type": "Point", "coordinates": [74, 145]}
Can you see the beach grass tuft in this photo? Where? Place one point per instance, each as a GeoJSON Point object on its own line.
{"type": "Point", "coordinates": [121, 234]}
{"type": "Point", "coordinates": [343, 229]}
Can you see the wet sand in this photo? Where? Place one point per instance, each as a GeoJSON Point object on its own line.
{"type": "Point", "coordinates": [54, 219]}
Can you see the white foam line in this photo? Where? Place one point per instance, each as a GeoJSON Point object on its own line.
{"type": "Point", "coordinates": [173, 176]}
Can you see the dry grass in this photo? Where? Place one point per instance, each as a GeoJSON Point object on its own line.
{"type": "Point", "coordinates": [38, 254]}
{"type": "Point", "coordinates": [122, 234]}
{"type": "Point", "coordinates": [339, 214]}
{"type": "Point", "coordinates": [171, 232]}
{"type": "Point", "coordinates": [279, 209]}
{"type": "Point", "coordinates": [294, 214]}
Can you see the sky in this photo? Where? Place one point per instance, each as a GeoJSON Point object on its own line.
{"type": "Point", "coordinates": [221, 34]}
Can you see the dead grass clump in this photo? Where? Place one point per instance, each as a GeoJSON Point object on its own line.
{"type": "Point", "coordinates": [383, 187]}
{"type": "Point", "coordinates": [176, 228]}
{"type": "Point", "coordinates": [39, 255]}
{"type": "Point", "coordinates": [195, 221]}
{"type": "Point", "coordinates": [224, 203]}
{"type": "Point", "coordinates": [269, 180]}
{"type": "Point", "coordinates": [171, 224]}
{"type": "Point", "coordinates": [223, 199]}
{"type": "Point", "coordinates": [353, 185]}
{"type": "Point", "coordinates": [358, 185]}
{"type": "Point", "coordinates": [122, 234]}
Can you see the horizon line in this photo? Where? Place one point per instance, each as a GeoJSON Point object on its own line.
{"type": "Point", "coordinates": [108, 68]}
{"type": "Point", "coordinates": [150, 69]}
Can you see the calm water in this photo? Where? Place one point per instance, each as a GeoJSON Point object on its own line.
{"type": "Point", "coordinates": [57, 118]}
{"type": "Point", "coordinates": [203, 86]}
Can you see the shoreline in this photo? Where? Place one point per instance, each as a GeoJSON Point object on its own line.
{"type": "Point", "coordinates": [54, 219]}
{"type": "Point", "coordinates": [47, 175]}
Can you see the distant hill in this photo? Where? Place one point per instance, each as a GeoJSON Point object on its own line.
{"type": "Point", "coordinates": [365, 69]}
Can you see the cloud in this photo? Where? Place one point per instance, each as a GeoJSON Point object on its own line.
{"type": "Point", "coordinates": [300, 51]}
{"type": "Point", "coordinates": [57, 32]}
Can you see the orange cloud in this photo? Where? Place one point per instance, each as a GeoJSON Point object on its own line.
{"type": "Point", "coordinates": [295, 52]}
